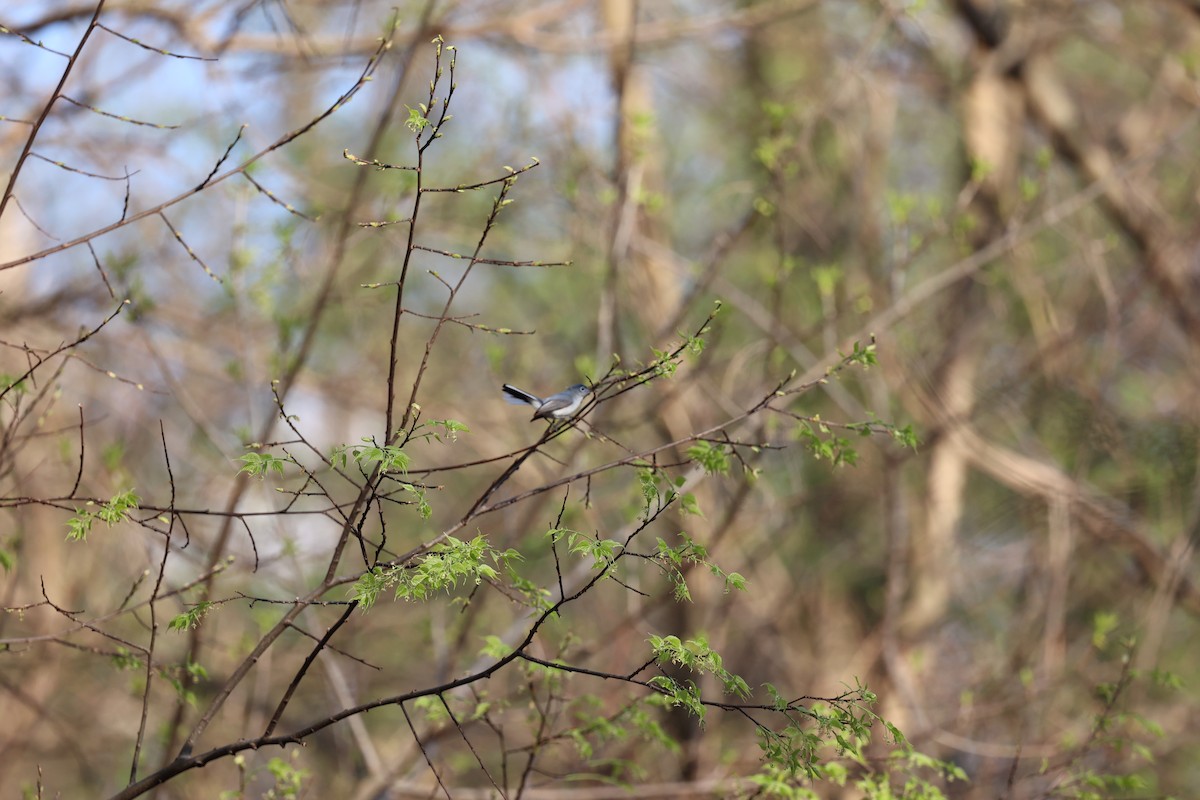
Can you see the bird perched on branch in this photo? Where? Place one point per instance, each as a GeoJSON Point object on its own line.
{"type": "Point", "coordinates": [557, 406]}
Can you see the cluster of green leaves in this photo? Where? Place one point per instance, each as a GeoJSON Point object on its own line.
{"type": "Point", "coordinates": [495, 647]}
{"type": "Point", "coordinates": [664, 364]}
{"type": "Point", "coordinates": [694, 655]}
{"type": "Point", "coordinates": [819, 439]}
{"type": "Point", "coordinates": [1119, 733]}
{"type": "Point", "coordinates": [437, 428]}
{"type": "Point", "coordinates": [287, 779]}
{"type": "Point", "coordinates": [638, 718]}
{"type": "Point", "coordinates": [690, 552]}
{"type": "Point", "coordinates": [904, 435]}
{"type": "Point", "coordinates": [257, 465]}
{"type": "Point", "coordinates": [826, 743]}
{"type": "Point", "coordinates": [825, 445]}
{"type": "Point", "coordinates": [713, 458]}
{"type": "Point", "coordinates": [602, 552]}
{"type": "Point", "coordinates": [437, 708]}
{"type": "Point", "coordinates": [110, 513]}
{"type": "Point", "coordinates": [657, 490]}
{"type": "Point", "coordinates": [774, 149]}
{"type": "Point", "coordinates": [666, 361]}
{"type": "Point", "coordinates": [419, 498]}
{"type": "Point", "coordinates": [673, 560]}
{"type": "Point", "coordinates": [905, 775]}
{"type": "Point", "coordinates": [126, 661]}
{"type": "Point", "coordinates": [448, 564]}
{"type": "Point", "coordinates": [195, 673]}
{"type": "Point", "coordinates": [418, 118]}
{"type": "Point", "coordinates": [191, 617]}
{"type": "Point", "coordinates": [535, 596]}
{"type": "Point", "coordinates": [863, 355]}
{"type": "Point", "coordinates": [388, 457]}
{"type": "Point", "coordinates": [795, 755]}
{"type": "Point", "coordinates": [9, 383]}
{"type": "Point", "coordinates": [391, 459]}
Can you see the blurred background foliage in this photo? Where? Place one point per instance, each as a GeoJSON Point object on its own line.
{"type": "Point", "coordinates": [1002, 193]}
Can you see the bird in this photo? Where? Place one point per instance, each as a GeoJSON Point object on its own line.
{"type": "Point", "coordinates": [556, 406]}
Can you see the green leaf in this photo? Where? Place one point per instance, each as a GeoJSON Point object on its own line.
{"type": "Point", "coordinates": [339, 456]}
{"type": "Point", "coordinates": [110, 513]}
{"type": "Point", "coordinates": [124, 660]}
{"type": "Point", "coordinates": [905, 436]}
{"type": "Point", "coordinates": [258, 464]}
{"type": "Point", "coordinates": [366, 589]}
{"type": "Point", "coordinates": [452, 428]}
{"type": "Point", "coordinates": [648, 481]}
{"type": "Point", "coordinates": [118, 507]}
{"type": "Point", "coordinates": [697, 656]}
{"type": "Point", "coordinates": [416, 121]}
{"type": "Point", "coordinates": [80, 525]}
{"type": "Point", "coordinates": [390, 458]}
{"type": "Point", "coordinates": [735, 581]}
{"type": "Point", "coordinates": [713, 458]}
{"type": "Point", "coordinates": [601, 551]}
{"type": "Point", "coordinates": [1103, 624]}
{"type": "Point", "coordinates": [687, 502]}
{"type": "Point", "coordinates": [823, 444]}
{"type": "Point", "coordinates": [862, 354]}
{"type": "Point", "coordinates": [422, 502]}
{"type": "Point", "coordinates": [494, 647]}
{"type": "Point", "coordinates": [450, 563]}
{"type": "Point", "coordinates": [191, 618]}
{"type": "Point", "coordinates": [433, 709]}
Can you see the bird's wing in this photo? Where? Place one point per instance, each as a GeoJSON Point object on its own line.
{"type": "Point", "coordinates": [519, 396]}
{"type": "Point", "coordinates": [557, 402]}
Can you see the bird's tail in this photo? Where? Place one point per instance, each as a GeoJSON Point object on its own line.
{"type": "Point", "coordinates": [519, 396]}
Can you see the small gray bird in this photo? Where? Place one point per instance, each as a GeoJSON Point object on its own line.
{"type": "Point", "coordinates": [556, 406]}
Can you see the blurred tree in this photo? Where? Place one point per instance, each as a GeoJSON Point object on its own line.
{"type": "Point", "coordinates": [280, 238]}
